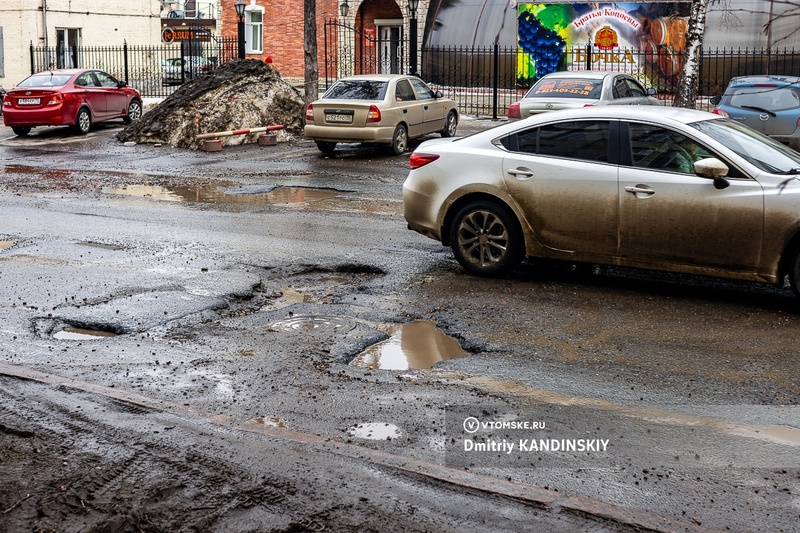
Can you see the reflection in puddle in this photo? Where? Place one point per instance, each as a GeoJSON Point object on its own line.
{"type": "Point", "coordinates": [272, 421]}
{"type": "Point", "coordinates": [214, 195]}
{"type": "Point", "coordinates": [79, 334]}
{"type": "Point", "coordinates": [6, 244]}
{"type": "Point", "coordinates": [313, 323]}
{"type": "Point", "coordinates": [416, 345]}
{"type": "Point", "coordinates": [375, 431]}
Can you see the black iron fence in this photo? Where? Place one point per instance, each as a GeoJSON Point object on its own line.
{"type": "Point", "coordinates": [154, 70]}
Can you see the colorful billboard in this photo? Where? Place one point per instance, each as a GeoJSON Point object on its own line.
{"type": "Point", "coordinates": [639, 38]}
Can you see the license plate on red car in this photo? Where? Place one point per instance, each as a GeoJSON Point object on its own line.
{"type": "Point", "coordinates": [28, 101]}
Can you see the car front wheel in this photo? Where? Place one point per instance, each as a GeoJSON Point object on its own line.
{"type": "Point", "coordinates": [134, 112]}
{"type": "Point", "coordinates": [399, 140]}
{"type": "Point", "coordinates": [450, 125]}
{"type": "Point", "coordinates": [485, 239]}
{"type": "Point", "coordinates": [21, 131]}
{"type": "Point", "coordinates": [326, 147]}
{"type": "Point", "coordinates": [83, 122]}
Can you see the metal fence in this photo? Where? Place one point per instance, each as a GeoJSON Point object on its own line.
{"type": "Point", "coordinates": [154, 70]}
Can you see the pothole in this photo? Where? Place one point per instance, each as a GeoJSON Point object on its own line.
{"type": "Point", "coordinates": [313, 323]}
{"type": "Point", "coordinates": [375, 431]}
{"type": "Point", "coordinates": [100, 245]}
{"type": "Point", "coordinates": [75, 334]}
{"type": "Point", "coordinates": [212, 194]}
{"type": "Point", "coordinates": [412, 346]}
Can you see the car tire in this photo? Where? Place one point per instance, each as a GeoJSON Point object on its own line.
{"type": "Point", "coordinates": [134, 112]}
{"type": "Point", "coordinates": [83, 121]}
{"type": "Point", "coordinates": [450, 125]}
{"type": "Point", "coordinates": [326, 147]}
{"type": "Point", "coordinates": [399, 140]}
{"type": "Point", "coordinates": [486, 239]}
{"type": "Point", "coordinates": [21, 131]}
{"type": "Point", "coordinates": [794, 273]}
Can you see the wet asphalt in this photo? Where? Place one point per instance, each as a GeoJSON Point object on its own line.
{"type": "Point", "coordinates": [244, 283]}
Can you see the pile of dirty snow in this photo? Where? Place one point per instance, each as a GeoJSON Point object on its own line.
{"type": "Point", "coordinates": [241, 94]}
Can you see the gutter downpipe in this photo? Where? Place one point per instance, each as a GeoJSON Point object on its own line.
{"type": "Point", "coordinates": [44, 22]}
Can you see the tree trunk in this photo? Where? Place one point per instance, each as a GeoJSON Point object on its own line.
{"type": "Point", "coordinates": [310, 50]}
{"type": "Point", "coordinates": [686, 95]}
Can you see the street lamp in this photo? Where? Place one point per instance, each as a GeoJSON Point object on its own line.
{"type": "Point", "coordinates": [344, 8]}
{"type": "Point", "coordinates": [240, 5]}
{"type": "Point", "coordinates": [412, 34]}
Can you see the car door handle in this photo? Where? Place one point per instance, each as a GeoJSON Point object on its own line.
{"type": "Point", "coordinates": [520, 174]}
{"type": "Point", "coordinates": [640, 189]}
{"type": "Point", "coordinates": [405, 111]}
{"type": "Point", "coordinates": [425, 108]}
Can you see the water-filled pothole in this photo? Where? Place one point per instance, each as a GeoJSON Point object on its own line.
{"type": "Point", "coordinates": [79, 334]}
{"type": "Point", "coordinates": [6, 244]}
{"type": "Point", "coordinates": [213, 194]}
{"type": "Point", "coordinates": [417, 345]}
{"type": "Point", "coordinates": [313, 322]}
{"type": "Point", "coordinates": [375, 431]}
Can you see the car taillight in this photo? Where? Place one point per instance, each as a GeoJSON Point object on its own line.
{"type": "Point", "coordinates": [374, 114]}
{"type": "Point", "coordinates": [55, 99]}
{"type": "Point", "coordinates": [513, 111]}
{"type": "Point", "coordinates": [310, 113]}
{"type": "Point", "coordinates": [589, 105]}
{"type": "Point", "coordinates": [721, 113]}
{"type": "Point", "coordinates": [420, 160]}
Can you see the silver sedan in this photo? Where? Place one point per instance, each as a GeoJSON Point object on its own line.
{"type": "Point", "coordinates": [574, 89]}
{"type": "Point", "coordinates": [659, 188]}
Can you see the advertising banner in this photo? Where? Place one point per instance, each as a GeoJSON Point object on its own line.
{"type": "Point", "coordinates": [639, 38]}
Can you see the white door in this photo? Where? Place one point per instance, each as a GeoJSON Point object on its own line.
{"type": "Point", "coordinates": [389, 50]}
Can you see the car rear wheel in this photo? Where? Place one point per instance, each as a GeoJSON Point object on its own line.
{"type": "Point", "coordinates": [134, 112]}
{"type": "Point", "coordinates": [83, 122]}
{"type": "Point", "coordinates": [450, 125]}
{"type": "Point", "coordinates": [326, 147]}
{"type": "Point", "coordinates": [399, 140]}
{"type": "Point", "coordinates": [794, 273]}
{"type": "Point", "coordinates": [485, 239]}
{"type": "Point", "coordinates": [21, 131]}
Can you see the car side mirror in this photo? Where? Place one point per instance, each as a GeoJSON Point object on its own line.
{"type": "Point", "coordinates": [121, 84]}
{"type": "Point", "coordinates": [711, 167]}
{"type": "Point", "coordinates": [652, 91]}
{"type": "Point", "coordinates": [715, 100]}
{"type": "Point", "coordinates": [438, 94]}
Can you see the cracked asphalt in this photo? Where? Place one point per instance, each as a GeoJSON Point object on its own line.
{"type": "Point", "coordinates": [234, 289]}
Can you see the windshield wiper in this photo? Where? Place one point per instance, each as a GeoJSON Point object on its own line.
{"type": "Point", "coordinates": [756, 108]}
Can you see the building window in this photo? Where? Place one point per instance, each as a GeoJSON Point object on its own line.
{"type": "Point", "coordinates": [254, 34]}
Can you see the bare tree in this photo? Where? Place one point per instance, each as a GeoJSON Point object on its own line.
{"type": "Point", "coordinates": [689, 79]}
{"type": "Point", "coordinates": [310, 50]}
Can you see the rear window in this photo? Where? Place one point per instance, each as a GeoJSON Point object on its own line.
{"type": "Point", "coordinates": [46, 80]}
{"type": "Point", "coordinates": [566, 88]}
{"type": "Point", "coordinates": [771, 98]}
{"type": "Point", "coordinates": [357, 90]}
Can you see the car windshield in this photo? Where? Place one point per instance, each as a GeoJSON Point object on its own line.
{"type": "Point", "coordinates": [357, 90]}
{"type": "Point", "coordinates": [47, 79]}
{"type": "Point", "coordinates": [773, 98]}
{"type": "Point", "coordinates": [566, 88]}
{"type": "Point", "coordinates": [763, 152]}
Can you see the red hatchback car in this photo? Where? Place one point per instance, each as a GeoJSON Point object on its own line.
{"type": "Point", "coordinates": [69, 97]}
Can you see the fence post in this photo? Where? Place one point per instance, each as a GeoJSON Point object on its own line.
{"type": "Point", "coordinates": [588, 56]}
{"type": "Point", "coordinates": [125, 59]}
{"type": "Point", "coordinates": [495, 78]}
{"type": "Point", "coordinates": [33, 64]}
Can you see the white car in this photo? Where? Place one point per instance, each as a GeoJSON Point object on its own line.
{"type": "Point", "coordinates": [659, 188]}
{"type": "Point", "coordinates": [583, 88]}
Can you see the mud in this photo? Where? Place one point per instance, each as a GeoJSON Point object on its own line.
{"type": "Point", "coordinates": [241, 94]}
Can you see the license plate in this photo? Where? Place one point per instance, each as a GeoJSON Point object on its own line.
{"type": "Point", "coordinates": [28, 101]}
{"type": "Point", "coordinates": [344, 119]}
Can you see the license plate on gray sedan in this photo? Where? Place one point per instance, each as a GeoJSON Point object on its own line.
{"type": "Point", "coordinates": [341, 119]}
{"type": "Point", "coordinates": [28, 101]}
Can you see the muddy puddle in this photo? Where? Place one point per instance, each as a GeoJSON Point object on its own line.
{"type": "Point", "coordinates": [213, 194]}
{"type": "Point", "coordinates": [80, 334]}
{"type": "Point", "coordinates": [6, 244]}
{"type": "Point", "coordinates": [375, 431]}
{"type": "Point", "coordinates": [411, 346]}
{"type": "Point", "coordinates": [100, 245]}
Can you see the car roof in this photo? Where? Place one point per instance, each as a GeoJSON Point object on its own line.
{"type": "Point", "coordinates": [755, 80]}
{"type": "Point", "coordinates": [581, 74]}
{"type": "Point", "coordinates": [375, 77]}
{"type": "Point", "coordinates": [659, 114]}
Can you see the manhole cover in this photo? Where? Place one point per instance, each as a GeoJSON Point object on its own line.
{"type": "Point", "coordinates": [314, 323]}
